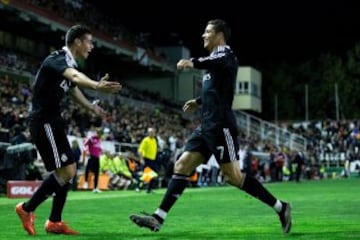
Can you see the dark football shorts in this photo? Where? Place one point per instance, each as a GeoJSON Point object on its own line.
{"type": "Point", "coordinates": [221, 142]}
{"type": "Point", "coordinates": [52, 143]}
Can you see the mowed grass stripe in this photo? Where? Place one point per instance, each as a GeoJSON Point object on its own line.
{"type": "Point", "coordinates": [326, 209]}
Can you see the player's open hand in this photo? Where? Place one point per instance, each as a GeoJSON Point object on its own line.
{"type": "Point", "coordinates": [190, 106]}
{"type": "Point", "coordinates": [105, 85]}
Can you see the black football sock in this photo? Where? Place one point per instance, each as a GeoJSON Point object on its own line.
{"type": "Point", "coordinates": [256, 189]}
{"type": "Point", "coordinates": [47, 187]}
{"type": "Point", "coordinates": [58, 203]}
{"type": "Point", "coordinates": [176, 187]}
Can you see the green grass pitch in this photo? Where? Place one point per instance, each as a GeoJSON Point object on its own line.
{"type": "Point", "coordinates": [326, 209]}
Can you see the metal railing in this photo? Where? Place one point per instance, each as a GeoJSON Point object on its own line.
{"type": "Point", "coordinates": [264, 130]}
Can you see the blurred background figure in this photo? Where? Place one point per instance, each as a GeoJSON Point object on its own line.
{"type": "Point", "coordinates": [299, 161]}
{"type": "Point", "coordinates": [75, 148]}
{"type": "Point", "coordinates": [148, 150]}
{"type": "Point", "coordinates": [93, 146]}
{"type": "Point", "coordinates": [136, 170]}
{"type": "Point", "coordinates": [123, 174]}
{"type": "Point", "coordinates": [19, 134]}
{"type": "Point", "coordinates": [115, 166]}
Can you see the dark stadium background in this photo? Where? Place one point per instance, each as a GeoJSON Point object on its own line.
{"type": "Point", "coordinates": [264, 32]}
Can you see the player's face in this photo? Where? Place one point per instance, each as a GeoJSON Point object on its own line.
{"type": "Point", "coordinates": [210, 38]}
{"type": "Point", "coordinates": [86, 46]}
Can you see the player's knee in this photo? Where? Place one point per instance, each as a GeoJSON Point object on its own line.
{"type": "Point", "coordinates": [187, 163]}
{"type": "Point", "coordinates": [67, 173]}
{"type": "Point", "coordinates": [234, 179]}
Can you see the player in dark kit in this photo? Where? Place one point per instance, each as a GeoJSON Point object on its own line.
{"type": "Point", "coordinates": [56, 78]}
{"type": "Point", "coordinates": [217, 133]}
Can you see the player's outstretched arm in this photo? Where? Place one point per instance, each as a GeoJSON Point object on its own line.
{"type": "Point", "coordinates": [81, 80]}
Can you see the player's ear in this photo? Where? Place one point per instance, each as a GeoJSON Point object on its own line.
{"type": "Point", "coordinates": [77, 41]}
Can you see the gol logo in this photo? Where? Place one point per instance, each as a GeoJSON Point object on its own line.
{"type": "Point", "coordinates": [22, 189]}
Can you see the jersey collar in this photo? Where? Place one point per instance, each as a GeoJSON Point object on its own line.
{"type": "Point", "coordinates": [219, 48]}
{"type": "Point", "coordinates": [70, 57]}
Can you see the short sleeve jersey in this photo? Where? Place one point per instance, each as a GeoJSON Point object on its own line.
{"type": "Point", "coordinates": [50, 86]}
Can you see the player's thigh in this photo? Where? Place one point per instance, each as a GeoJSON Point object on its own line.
{"type": "Point", "coordinates": [187, 162]}
{"type": "Point", "coordinates": [51, 141]}
{"type": "Point", "coordinates": [232, 173]}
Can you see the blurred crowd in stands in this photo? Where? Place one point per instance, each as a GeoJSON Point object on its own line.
{"type": "Point", "coordinates": [124, 124]}
{"type": "Point", "coordinates": [84, 12]}
{"type": "Point", "coordinates": [127, 124]}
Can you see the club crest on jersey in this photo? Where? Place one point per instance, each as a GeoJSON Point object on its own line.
{"type": "Point", "coordinates": [64, 158]}
{"type": "Point", "coordinates": [206, 77]}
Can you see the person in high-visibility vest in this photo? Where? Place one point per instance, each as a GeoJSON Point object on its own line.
{"type": "Point", "coordinates": [148, 153]}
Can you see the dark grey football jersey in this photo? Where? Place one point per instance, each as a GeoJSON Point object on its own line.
{"type": "Point", "coordinates": [50, 87]}
{"type": "Point", "coordinates": [218, 87]}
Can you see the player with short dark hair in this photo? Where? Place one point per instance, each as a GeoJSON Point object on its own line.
{"type": "Point", "coordinates": [57, 77]}
{"type": "Point", "coordinates": [217, 133]}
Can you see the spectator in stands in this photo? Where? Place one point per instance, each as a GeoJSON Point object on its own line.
{"type": "Point", "coordinates": [75, 148]}
{"type": "Point", "coordinates": [57, 77]}
{"type": "Point", "coordinates": [32, 172]}
{"type": "Point", "coordinates": [136, 169]}
{"type": "Point", "coordinates": [108, 166]}
{"type": "Point", "coordinates": [115, 166]}
{"type": "Point", "coordinates": [299, 160]}
{"type": "Point", "coordinates": [93, 146]}
{"type": "Point", "coordinates": [214, 171]}
{"type": "Point", "coordinates": [280, 159]}
{"type": "Point", "coordinates": [105, 161]}
{"type": "Point", "coordinates": [272, 163]}
{"type": "Point", "coordinates": [217, 133]}
{"type": "Point", "coordinates": [4, 133]}
{"type": "Point", "coordinates": [164, 159]}
{"type": "Point", "coordinates": [202, 175]}
{"type": "Point", "coordinates": [19, 134]}
{"type": "Point", "coordinates": [164, 152]}
{"type": "Point", "coordinates": [123, 171]}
